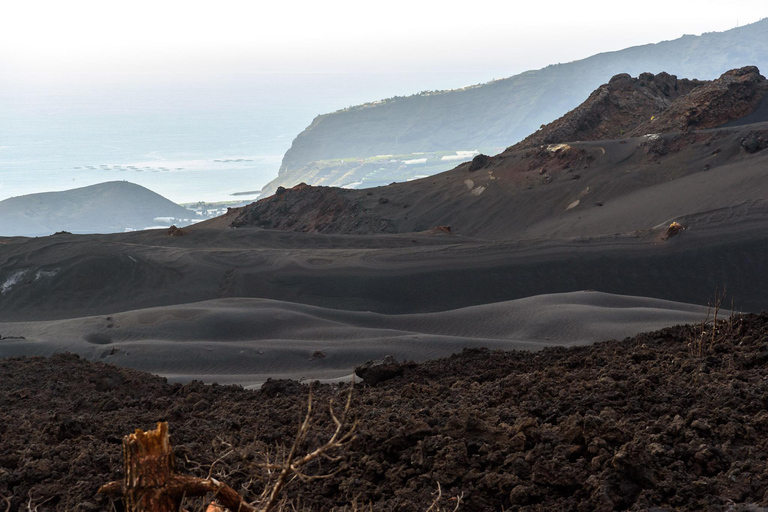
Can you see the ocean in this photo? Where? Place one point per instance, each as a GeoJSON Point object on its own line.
{"type": "Point", "coordinates": [187, 138]}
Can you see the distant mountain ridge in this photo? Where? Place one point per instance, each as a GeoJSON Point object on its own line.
{"type": "Point", "coordinates": [500, 113]}
{"type": "Point", "coordinates": [110, 207]}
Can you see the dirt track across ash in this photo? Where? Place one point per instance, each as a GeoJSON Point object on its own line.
{"type": "Point", "coordinates": [639, 424]}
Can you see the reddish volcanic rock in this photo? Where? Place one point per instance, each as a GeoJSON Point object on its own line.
{"type": "Point", "coordinates": [614, 109]}
{"type": "Point", "coordinates": [629, 107]}
{"type": "Point", "coordinates": [311, 210]}
{"type": "Point", "coordinates": [734, 95]}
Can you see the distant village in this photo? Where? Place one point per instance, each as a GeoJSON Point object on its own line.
{"type": "Point", "coordinates": [204, 210]}
{"type": "Point", "coordinates": [207, 210]}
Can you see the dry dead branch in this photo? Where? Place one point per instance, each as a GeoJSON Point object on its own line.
{"type": "Point", "coordinates": [291, 468]}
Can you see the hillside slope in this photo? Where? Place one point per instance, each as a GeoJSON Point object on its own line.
{"type": "Point", "coordinates": [499, 113]}
{"type": "Point", "coordinates": [580, 189]}
{"type": "Point", "coordinates": [110, 207]}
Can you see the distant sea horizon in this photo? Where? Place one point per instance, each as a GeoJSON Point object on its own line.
{"type": "Point", "coordinates": [189, 141]}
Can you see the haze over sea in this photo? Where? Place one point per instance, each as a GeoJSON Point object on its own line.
{"type": "Point", "coordinates": [194, 139]}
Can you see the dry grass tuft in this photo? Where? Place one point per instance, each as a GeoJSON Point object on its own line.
{"type": "Point", "coordinates": [713, 330]}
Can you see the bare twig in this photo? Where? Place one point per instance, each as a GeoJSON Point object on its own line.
{"type": "Point", "coordinates": [718, 303]}
{"type": "Point", "coordinates": [29, 504]}
{"type": "Point", "coordinates": [435, 503]}
{"type": "Point", "coordinates": [291, 466]}
{"type": "Point", "coordinates": [435, 506]}
{"type": "Point", "coordinates": [210, 471]}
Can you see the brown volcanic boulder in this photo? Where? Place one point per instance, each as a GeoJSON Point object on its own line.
{"type": "Point", "coordinates": [479, 162]}
{"type": "Point", "coordinates": [754, 142]}
{"type": "Point", "coordinates": [630, 107]}
{"type": "Point", "coordinates": [175, 231]}
{"type": "Point", "coordinates": [379, 370]}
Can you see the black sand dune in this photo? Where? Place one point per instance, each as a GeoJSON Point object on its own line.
{"type": "Point", "coordinates": [73, 276]}
{"type": "Point", "coordinates": [245, 341]}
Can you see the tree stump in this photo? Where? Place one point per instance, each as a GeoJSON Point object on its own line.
{"type": "Point", "coordinates": [149, 471]}
{"type": "Point", "coordinates": [151, 483]}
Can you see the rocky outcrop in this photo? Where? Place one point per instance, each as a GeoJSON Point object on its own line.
{"type": "Point", "coordinates": [615, 109]}
{"type": "Point", "coordinates": [176, 231]}
{"type": "Point", "coordinates": [479, 162]}
{"type": "Point", "coordinates": [736, 94]}
{"type": "Point", "coordinates": [630, 107]}
{"type": "Point", "coordinates": [311, 210]}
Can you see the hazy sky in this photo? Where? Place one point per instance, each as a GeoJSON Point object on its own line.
{"type": "Point", "coordinates": [169, 37]}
